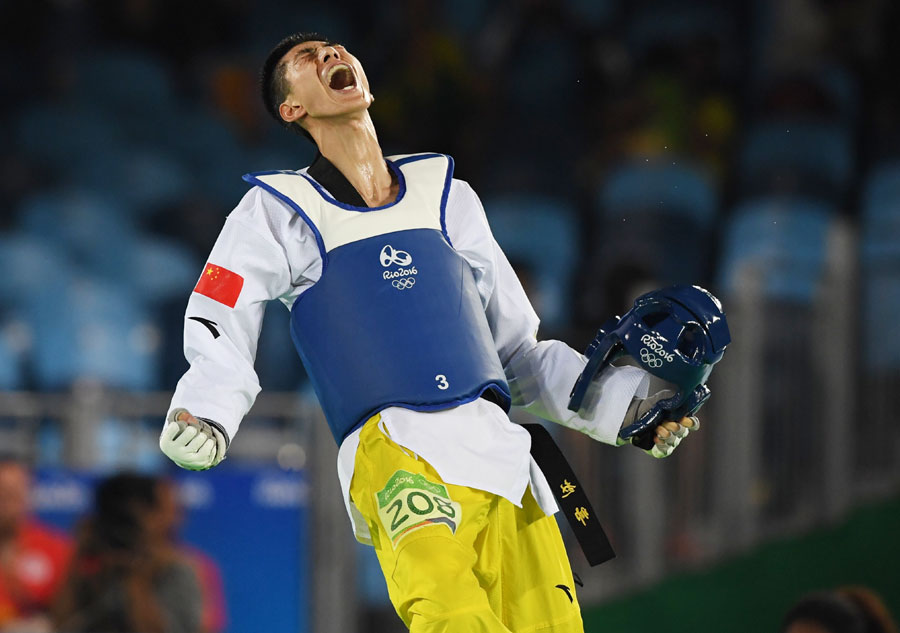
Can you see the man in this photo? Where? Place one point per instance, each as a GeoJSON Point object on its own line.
{"type": "Point", "coordinates": [33, 558]}
{"type": "Point", "coordinates": [417, 337]}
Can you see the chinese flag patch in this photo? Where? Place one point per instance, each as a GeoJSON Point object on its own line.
{"type": "Point", "coordinates": [220, 284]}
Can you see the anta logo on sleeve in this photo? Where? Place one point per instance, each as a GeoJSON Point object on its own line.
{"type": "Point", "coordinates": [401, 278]}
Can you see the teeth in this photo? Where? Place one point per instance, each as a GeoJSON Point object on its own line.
{"type": "Point", "coordinates": [336, 68]}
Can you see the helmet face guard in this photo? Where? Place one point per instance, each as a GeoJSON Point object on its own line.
{"type": "Point", "coordinates": [677, 334]}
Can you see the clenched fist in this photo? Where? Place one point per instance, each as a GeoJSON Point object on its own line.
{"type": "Point", "coordinates": [192, 443]}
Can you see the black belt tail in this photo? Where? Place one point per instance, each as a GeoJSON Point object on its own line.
{"type": "Point", "coordinates": [570, 496]}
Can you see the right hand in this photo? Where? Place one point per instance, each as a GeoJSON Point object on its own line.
{"type": "Point", "coordinates": [192, 443]}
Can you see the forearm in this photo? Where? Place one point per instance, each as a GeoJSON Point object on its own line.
{"type": "Point", "coordinates": [541, 377]}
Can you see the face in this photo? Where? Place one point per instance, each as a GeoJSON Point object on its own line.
{"type": "Point", "coordinates": [325, 81]}
{"type": "Point", "coordinates": [163, 520]}
{"type": "Point", "coordinates": [14, 489]}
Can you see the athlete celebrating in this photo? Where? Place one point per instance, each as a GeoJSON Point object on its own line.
{"type": "Point", "coordinates": [417, 337]}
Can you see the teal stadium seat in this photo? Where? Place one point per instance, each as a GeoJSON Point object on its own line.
{"type": "Point", "coordinates": [804, 157]}
{"type": "Point", "coordinates": [880, 258]}
{"type": "Point", "coordinates": [541, 233]}
{"type": "Point", "coordinates": [657, 217]}
{"type": "Point", "coordinates": [96, 232]}
{"type": "Point", "coordinates": [784, 240]}
{"type": "Point", "coordinates": [11, 375]}
{"type": "Point", "coordinates": [85, 329]}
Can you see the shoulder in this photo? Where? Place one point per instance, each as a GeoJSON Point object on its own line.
{"type": "Point", "coordinates": [260, 206]}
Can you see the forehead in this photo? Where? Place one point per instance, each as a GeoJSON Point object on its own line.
{"type": "Point", "coordinates": [297, 51]}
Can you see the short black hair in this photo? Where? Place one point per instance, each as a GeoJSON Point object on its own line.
{"type": "Point", "coordinates": [271, 79]}
{"type": "Point", "coordinates": [834, 611]}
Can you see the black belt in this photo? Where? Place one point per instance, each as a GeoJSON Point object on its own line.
{"type": "Point", "coordinates": [570, 495]}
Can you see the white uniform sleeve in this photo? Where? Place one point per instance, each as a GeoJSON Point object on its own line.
{"type": "Point", "coordinates": [540, 374]}
{"type": "Point", "coordinates": [221, 383]}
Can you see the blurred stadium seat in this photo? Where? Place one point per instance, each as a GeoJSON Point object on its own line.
{"type": "Point", "coordinates": [277, 365]}
{"type": "Point", "coordinates": [123, 81]}
{"type": "Point", "coordinates": [85, 329]}
{"type": "Point", "coordinates": [95, 230]}
{"type": "Point", "coordinates": [829, 93]}
{"type": "Point", "coordinates": [667, 25]}
{"type": "Point", "coordinates": [27, 263]}
{"type": "Point", "coordinates": [797, 156]}
{"type": "Point", "coordinates": [659, 189]}
{"type": "Point", "coordinates": [783, 240]}
{"type": "Point", "coordinates": [11, 376]}
{"type": "Point", "coordinates": [161, 269]}
{"type": "Point", "coordinates": [880, 255]}
{"type": "Point", "coordinates": [540, 233]}
{"type": "Point", "coordinates": [60, 135]}
{"type": "Point", "coordinates": [648, 208]}
{"type": "Point", "coordinates": [881, 206]}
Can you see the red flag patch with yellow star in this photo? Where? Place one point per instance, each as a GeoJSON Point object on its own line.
{"type": "Point", "coordinates": [220, 284]}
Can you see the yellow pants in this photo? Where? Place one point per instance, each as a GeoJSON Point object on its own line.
{"type": "Point", "coordinates": [457, 559]}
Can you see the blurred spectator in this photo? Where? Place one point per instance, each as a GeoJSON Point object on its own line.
{"type": "Point", "coordinates": [33, 558]}
{"type": "Point", "coordinates": [126, 575]}
{"type": "Point", "coordinates": [170, 517]}
{"type": "Point", "coordinates": [844, 610]}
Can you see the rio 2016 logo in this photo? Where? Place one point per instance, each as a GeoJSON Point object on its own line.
{"type": "Point", "coordinates": [401, 279]}
{"type": "Point", "coordinates": [654, 354]}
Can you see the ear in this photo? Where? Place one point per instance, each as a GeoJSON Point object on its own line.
{"type": "Point", "coordinates": [291, 112]}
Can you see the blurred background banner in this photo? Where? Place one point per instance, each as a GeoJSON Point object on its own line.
{"type": "Point", "coordinates": [749, 147]}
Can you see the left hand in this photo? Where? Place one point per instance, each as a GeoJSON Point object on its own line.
{"type": "Point", "coordinates": [668, 435]}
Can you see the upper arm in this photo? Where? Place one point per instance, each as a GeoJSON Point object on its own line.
{"type": "Point", "coordinates": [510, 315]}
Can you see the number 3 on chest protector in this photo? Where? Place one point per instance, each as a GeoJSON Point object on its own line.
{"type": "Point", "coordinates": [442, 381]}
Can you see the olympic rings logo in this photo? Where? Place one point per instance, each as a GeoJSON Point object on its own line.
{"type": "Point", "coordinates": [390, 255]}
{"type": "Point", "coordinates": [404, 284]}
{"type": "Point", "coordinates": [650, 359]}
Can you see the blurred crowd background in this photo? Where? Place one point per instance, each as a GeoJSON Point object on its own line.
{"type": "Point", "coordinates": [749, 147]}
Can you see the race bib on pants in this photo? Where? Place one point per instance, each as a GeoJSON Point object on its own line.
{"type": "Point", "coordinates": [410, 501]}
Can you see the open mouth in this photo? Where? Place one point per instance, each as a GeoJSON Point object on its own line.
{"type": "Point", "coordinates": [340, 77]}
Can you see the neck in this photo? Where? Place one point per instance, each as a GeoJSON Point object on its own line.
{"type": "Point", "coordinates": [352, 147]}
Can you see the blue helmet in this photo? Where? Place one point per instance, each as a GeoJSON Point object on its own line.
{"type": "Point", "coordinates": [677, 334]}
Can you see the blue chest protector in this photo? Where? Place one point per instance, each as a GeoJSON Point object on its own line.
{"type": "Point", "coordinates": [395, 320]}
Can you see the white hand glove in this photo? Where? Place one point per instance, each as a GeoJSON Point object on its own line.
{"type": "Point", "coordinates": [192, 443]}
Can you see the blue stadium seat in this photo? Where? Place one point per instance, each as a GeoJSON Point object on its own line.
{"type": "Point", "coordinates": [881, 206]}
{"type": "Point", "coordinates": [209, 150]}
{"type": "Point", "coordinates": [94, 230]}
{"type": "Point", "coordinates": [659, 189]}
{"type": "Point", "coordinates": [145, 180]}
{"type": "Point", "coordinates": [27, 263]}
{"type": "Point", "coordinates": [829, 92]}
{"type": "Point", "coordinates": [801, 157]}
{"type": "Point", "coordinates": [784, 240]}
{"type": "Point", "coordinates": [880, 310]}
{"type": "Point", "coordinates": [89, 330]}
{"type": "Point", "coordinates": [11, 377]}
{"type": "Point", "coordinates": [277, 365]}
{"type": "Point", "coordinates": [651, 211]}
{"type": "Point", "coordinates": [124, 81]}
{"type": "Point", "coordinates": [542, 233]}
{"type": "Point", "coordinates": [162, 269]}
{"type": "Point", "coordinates": [880, 255]}
{"type": "Point", "coordinates": [63, 134]}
